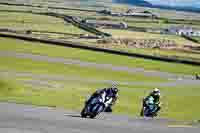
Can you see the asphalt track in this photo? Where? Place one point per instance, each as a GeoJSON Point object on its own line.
{"type": "Point", "coordinates": [18, 118]}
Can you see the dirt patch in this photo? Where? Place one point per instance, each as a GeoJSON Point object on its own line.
{"type": "Point", "coordinates": [137, 43]}
{"type": "Point", "coordinates": [163, 44]}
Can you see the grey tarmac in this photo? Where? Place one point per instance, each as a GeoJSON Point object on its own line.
{"type": "Point", "coordinates": [19, 118]}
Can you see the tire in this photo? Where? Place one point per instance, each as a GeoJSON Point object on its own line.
{"type": "Point", "coordinates": [83, 113]}
{"type": "Point", "coordinates": [149, 114]}
{"type": "Point", "coordinates": [98, 110]}
{"type": "Point", "coordinates": [92, 116]}
{"type": "Point", "coordinates": [146, 113]}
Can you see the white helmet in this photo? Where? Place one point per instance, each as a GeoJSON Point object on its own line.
{"type": "Point", "coordinates": [156, 91]}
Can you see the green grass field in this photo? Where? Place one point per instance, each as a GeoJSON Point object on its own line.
{"type": "Point", "coordinates": [136, 22]}
{"type": "Point", "coordinates": [83, 55]}
{"type": "Point", "coordinates": [21, 8]}
{"type": "Point", "coordinates": [26, 65]}
{"type": "Point", "coordinates": [27, 21]}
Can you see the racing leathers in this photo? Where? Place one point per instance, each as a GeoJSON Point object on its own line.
{"type": "Point", "coordinates": [156, 100]}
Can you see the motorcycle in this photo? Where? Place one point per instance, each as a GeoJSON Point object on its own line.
{"type": "Point", "coordinates": [96, 106]}
{"type": "Point", "coordinates": [151, 109]}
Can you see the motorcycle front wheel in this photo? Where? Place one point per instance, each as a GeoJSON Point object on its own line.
{"type": "Point", "coordinates": [93, 116]}
{"type": "Point", "coordinates": [83, 113]}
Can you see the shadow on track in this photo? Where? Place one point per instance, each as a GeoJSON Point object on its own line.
{"type": "Point", "coordinates": [76, 116]}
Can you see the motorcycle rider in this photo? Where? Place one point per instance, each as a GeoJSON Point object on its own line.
{"type": "Point", "coordinates": [156, 96]}
{"type": "Point", "coordinates": [110, 92]}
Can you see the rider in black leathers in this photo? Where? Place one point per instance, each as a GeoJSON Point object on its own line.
{"type": "Point", "coordinates": [111, 92]}
{"type": "Point", "coordinates": [156, 95]}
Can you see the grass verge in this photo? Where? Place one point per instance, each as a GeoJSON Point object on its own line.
{"type": "Point", "coordinates": [71, 70]}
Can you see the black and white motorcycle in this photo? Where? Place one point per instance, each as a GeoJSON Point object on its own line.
{"type": "Point", "coordinates": [151, 109]}
{"type": "Point", "coordinates": [96, 106]}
